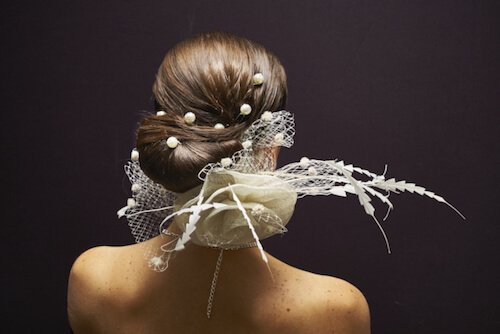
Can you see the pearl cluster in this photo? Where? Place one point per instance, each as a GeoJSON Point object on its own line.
{"type": "Point", "coordinates": [190, 118]}
{"type": "Point", "coordinates": [304, 163]}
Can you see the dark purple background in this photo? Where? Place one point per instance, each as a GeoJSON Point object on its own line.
{"type": "Point", "coordinates": [414, 84]}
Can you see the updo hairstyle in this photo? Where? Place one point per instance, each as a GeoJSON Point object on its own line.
{"type": "Point", "coordinates": [210, 75]}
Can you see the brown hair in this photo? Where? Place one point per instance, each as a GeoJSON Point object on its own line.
{"type": "Point", "coordinates": [210, 75]}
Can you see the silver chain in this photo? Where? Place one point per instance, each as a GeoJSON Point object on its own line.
{"type": "Point", "coordinates": [172, 234]}
{"type": "Point", "coordinates": [214, 284]}
{"type": "Point", "coordinates": [217, 267]}
{"type": "Point", "coordinates": [249, 245]}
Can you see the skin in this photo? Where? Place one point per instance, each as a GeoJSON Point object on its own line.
{"type": "Point", "coordinates": [112, 290]}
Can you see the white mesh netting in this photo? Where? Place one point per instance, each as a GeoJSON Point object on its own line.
{"type": "Point", "coordinates": [235, 207]}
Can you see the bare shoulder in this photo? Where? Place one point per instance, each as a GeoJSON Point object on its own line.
{"type": "Point", "coordinates": [318, 304]}
{"type": "Point", "coordinates": [87, 288]}
{"type": "Point", "coordinates": [343, 308]}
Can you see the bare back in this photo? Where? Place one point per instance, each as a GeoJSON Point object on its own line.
{"type": "Point", "coordinates": [112, 290]}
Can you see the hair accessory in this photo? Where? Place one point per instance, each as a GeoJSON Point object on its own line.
{"type": "Point", "coordinates": [134, 155]}
{"type": "Point", "coordinates": [160, 113]}
{"type": "Point", "coordinates": [304, 162]}
{"type": "Point", "coordinates": [254, 169]}
{"type": "Point", "coordinates": [131, 203]}
{"type": "Point", "coordinates": [219, 126]}
{"type": "Point", "coordinates": [172, 142]}
{"type": "Point", "coordinates": [226, 162]}
{"type": "Point", "coordinates": [267, 116]}
{"type": "Point", "coordinates": [279, 139]}
{"type": "Point", "coordinates": [245, 109]}
{"type": "Point", "coordinates": [258, 79]}
{"type": "Point", "coordinates": [189, 117]}
{"type": "Point", "coordinates": [246, 144]}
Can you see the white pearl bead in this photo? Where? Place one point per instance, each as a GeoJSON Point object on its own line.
{"type": "Point", "coordinates": [134, 155]}
{"type": "Point", "coordinates": [219, 126]}
{"type": "Point", "coordinates": [279, 139]}
{"type": "Point", "coordinates": [245, 109]}
{"type": "Point", "coordinates": [246, 144]}
{"type": "Point", "coordinates": [226, 162]}
{"type": "Point", "coordinates": [258, 78]}
{"type": "Point", "coordinates": [172, 142]}
{"type": "Point", "coordinates": [267, 116]}
{"type": "Point", "coordinates": [312, 171]}
{"type": "Point", "coordinates": [160, 113]}
{"type": "Point", "coordinates": [304, 162]}
{"type": "Point", "coordinates": [131, 203]}
{"type": "Point", "coordinates": [135, 187]}
{"type": "Point", "coordinates": [189, 118]}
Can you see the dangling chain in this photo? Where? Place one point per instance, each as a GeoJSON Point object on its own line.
{"type": "Point", "coordinates": [216, 274]}
{"type": "Point", "coordinates": [214, 284]}
{"type": "Point", "coordinates": [217, 267]}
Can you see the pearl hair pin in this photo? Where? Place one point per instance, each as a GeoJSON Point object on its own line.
{"type": "Point", "coordinates": [134, 155]}
{"type": "Point", "coordinates": [172, 142]}
{"type": "Point", "coordinates": [160, 113]}
{"type": "Point", "coordinates": [219, 126]}
{"type": "Point", "coordinates": [258, 79]}
{"type": "Point", "coordinates": [245, 109]}
{"type": "Point", "coordinates": [189, 118]}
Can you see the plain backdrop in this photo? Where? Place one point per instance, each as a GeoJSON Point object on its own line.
{"type": "Point", "coordinates": [410, 84]}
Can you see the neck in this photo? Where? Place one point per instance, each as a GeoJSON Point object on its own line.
{"type": "Point", "coordinates": [248, 258]}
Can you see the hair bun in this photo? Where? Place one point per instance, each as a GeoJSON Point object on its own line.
{"type": "Point", "coordinates": [208, 77]}
{"type": "Point", "coordinates": [177, 168]}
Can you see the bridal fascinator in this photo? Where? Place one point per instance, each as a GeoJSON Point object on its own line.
{"type": "Point", "coordinates": [243, 199]}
